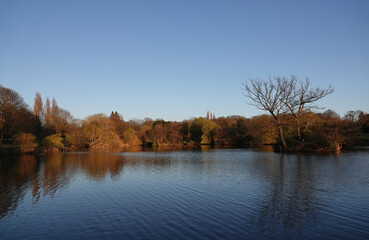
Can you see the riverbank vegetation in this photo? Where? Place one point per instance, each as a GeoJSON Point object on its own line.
{"type": "Point", "coordinates": [291, 125]}
{"type": "Point", "coordinates": [290, 102]}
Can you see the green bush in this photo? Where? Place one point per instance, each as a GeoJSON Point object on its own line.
{"type": "Point", "coordinates": [54, 140]}
{"type": "Point", "coordinates": [202, 130]}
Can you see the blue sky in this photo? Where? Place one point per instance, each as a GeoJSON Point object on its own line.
{"type": "Point", "coordinates": [179, 59]}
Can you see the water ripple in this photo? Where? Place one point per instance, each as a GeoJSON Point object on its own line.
{"type": "Point", "coordinates": [217, 194]}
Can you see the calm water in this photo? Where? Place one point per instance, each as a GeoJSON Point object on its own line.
{"type": "Point", "coordinates": [209, 194]}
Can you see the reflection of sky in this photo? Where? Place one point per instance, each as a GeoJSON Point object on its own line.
{"type": "Point", "coordinates": [231, 192]}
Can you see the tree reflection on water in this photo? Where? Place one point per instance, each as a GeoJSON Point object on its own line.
{"type": "Point", "coordinates": [46, 174]}
{"type": "Point", "coordinates": [283, 195]}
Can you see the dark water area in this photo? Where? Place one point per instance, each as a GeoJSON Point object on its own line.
{"type": "Point", "coordinates": [191, 194]}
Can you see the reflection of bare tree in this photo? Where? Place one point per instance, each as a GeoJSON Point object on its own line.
{"type": "Point", "coordinates": [290, 202]}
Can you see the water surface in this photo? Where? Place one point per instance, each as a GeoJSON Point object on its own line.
{"type": "Point", "coordinates": [209, 194]}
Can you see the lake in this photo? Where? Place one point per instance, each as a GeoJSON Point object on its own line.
{"type": "Point", "coordinates": [186, 194]}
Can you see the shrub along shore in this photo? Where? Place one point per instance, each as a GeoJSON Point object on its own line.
{"type": "Point", "coordinates": [49, 128]}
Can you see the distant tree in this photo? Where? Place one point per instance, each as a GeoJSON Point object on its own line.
{"type": "Point", "coordinates": [163, 132]}
{"type": "Point", "coordinates": [353, 115]}
{"type": "Point", "coordinates": [227, 132]}
{"type": "Point", "coordinates": [330, 113]}
{"type": "Point", "coordinates": [159, 133]}
{"type": "Point", "coordinates": [57, 120]}
{"type": "Point", "coordinates": [243, 135]}
{"type": "Point", "coordinates": [262, 130]}
{"type": "Point", "coordinates": [202, 130]}
{"type": "Point", "coordinates": [175, 133]}
{"type": "Point", "coordinates": [330, 132]}
{"type": "Point", "coordinates": [118, 123]}
{"type": "Point", "coordinates": [130, 137]}
{"type": "Point", "coordinates": [75, 137]}
{"type": "Point", "coordinates": [364, 122]}
{"type": "Point", "coordinates": [136, 124]}
{"type": "Point", "coordinates": [195, 131]}
{"type": "Point", "coordinates": [99, 132]}
{"type": "Point", "coordinates": [63, 121]}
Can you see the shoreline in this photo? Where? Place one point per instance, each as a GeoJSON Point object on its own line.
{"type": "Point", "coordinates": [14, 150]}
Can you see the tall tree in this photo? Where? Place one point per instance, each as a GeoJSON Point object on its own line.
{"type": "Point", "coordinates": [118, 123]}
{"type": "Point", "coordinates": [268, 96]}
{"type": "Point", "coordinates": [99, 131]}
{"type": "Point", "coordinates": [10, 101]}
{"type": "Point", "coordinates": [298, 96]}
{"type": "Point", "coordinates": [14, 114]}
{"type": "Point", "coordinates": [55, 116]}
{"type": "Point", "coordinates": [47, 113]}
{"type": "Point", "coordinates": [38, 106]}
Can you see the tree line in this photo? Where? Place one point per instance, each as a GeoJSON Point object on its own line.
{"type": "Point", "coordinates": [291, 123]}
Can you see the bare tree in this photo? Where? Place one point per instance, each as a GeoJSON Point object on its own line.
{"type": "Point", "coordinates": [299, 97]}
{"type": "Point", "coordinates": [353, 116]}
{"type": "Point", "coordinates": [283, 95]}
{"type": "Point", "coordinates": [268, 96]}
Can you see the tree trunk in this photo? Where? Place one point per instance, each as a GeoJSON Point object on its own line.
{"type": "Point", "coordinates": [280, 128]}
{"type": "Point", "coordinates": [282, 137]}
{"type": "Point", "coordinates": [298, 128]}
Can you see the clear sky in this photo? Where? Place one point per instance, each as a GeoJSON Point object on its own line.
{"type": "Point", "coordinates": [179, 59]}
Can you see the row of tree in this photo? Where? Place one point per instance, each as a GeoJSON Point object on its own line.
{"type": "Point", "coordinates": [291, 124]}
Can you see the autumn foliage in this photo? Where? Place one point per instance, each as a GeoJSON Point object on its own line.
{"type": "Point", "coordinates": [26, 141]}
{"type": "Point", "coordinates": [51, 128]}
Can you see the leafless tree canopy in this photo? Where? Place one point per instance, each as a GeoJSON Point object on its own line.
{"type": "Point", "coordinates": [270, 96]}
{"type": "Point", "coordinates": [282, 95]}
{"type": "Point", "coordinates": [265, 95]}
{"type": "Point", "coordinates": [303, 95]}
